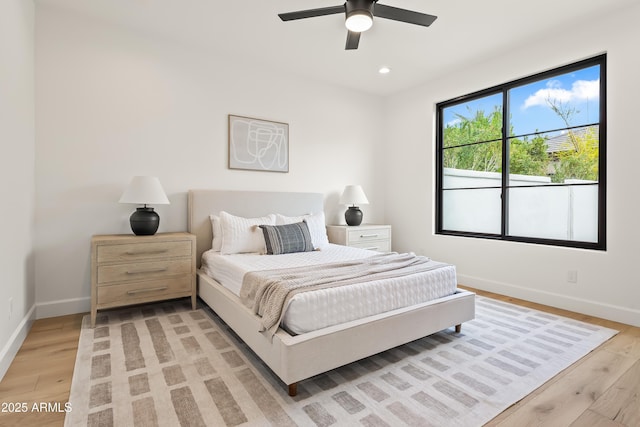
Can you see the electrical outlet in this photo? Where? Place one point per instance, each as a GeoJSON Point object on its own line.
{"type": "Point", "coordinates": [572, 276]}
{"type": "Point", "coordinates": [10, 308]}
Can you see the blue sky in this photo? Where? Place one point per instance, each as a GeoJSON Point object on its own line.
{"type": "Point", "coordinates": [529, 104]}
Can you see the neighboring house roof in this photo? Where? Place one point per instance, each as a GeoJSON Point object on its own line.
{"type": "Point", "coordinates": [561, 142]}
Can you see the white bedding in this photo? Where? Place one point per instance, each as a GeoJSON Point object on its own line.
{"type": "Point", "coordinates": [314, 310]}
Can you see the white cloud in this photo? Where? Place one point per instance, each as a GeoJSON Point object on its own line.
{"type": "Point", "coordinates": [581, 90]}
{"type": "Point", "coordinates": [454, 122]}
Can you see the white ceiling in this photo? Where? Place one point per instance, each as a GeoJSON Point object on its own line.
{"type": "Point", "coordinates": [465, 31]}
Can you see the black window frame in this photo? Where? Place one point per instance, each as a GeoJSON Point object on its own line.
{"type": "Point", "coordinates": [600, 60]}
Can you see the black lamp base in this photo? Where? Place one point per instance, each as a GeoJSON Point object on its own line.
{"type": "Point", "coordinates": [353, 216]}
{"type": "Point", "coordinates": [144, 222]}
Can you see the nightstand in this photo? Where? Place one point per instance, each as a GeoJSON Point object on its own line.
{"type": "Point", "coordinates": [129, 269]}
{"type": "Point", "coordinates": [373, 237]}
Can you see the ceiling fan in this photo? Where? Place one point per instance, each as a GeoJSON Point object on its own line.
{"type": "Point", "coordinates": [359, 17]}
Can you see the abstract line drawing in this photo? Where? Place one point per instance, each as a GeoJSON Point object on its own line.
{"type": "Point", "coordinates": [256, 144]}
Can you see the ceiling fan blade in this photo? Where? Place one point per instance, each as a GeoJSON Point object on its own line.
{"type": "Point", "coordinates": [403, 15]}
{"type": "Point", "coordinates": [353, 39]}
{"type": "Point", "coordinates": [310, 13]}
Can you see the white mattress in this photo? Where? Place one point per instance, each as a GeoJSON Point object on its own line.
{"type": "Point", "coordinates": [314, 310]}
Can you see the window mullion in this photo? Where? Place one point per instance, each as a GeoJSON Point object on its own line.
{"type": "Point", "coordinates": [504, 230]}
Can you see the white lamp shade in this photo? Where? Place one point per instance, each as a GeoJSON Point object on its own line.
{"type": "Point", "coordinates": [144, 190]}
{"type": "Point", "coordinates": [353, 195]}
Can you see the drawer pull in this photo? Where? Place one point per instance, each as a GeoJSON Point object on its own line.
{"type": "Point", "coordinates": [363, 236]}
{"type": "Point", "coordinates": [149, 270]}
{"type": "Point", "coordinates": [142, 291]}
{"type": "Point", "coordinates": [373, 248]}
{"type": "Point", "coordinates": [156, 252]}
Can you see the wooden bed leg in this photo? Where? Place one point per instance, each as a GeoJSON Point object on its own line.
{"type": "Point", "coordinates": [458, 328]}
{"type": "Point", "coordinates": [293, 389]}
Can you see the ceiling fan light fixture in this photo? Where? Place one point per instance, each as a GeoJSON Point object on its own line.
{"type": "Point", "coordinates": [359, 17]}
{"type": "Point", "coordinates": [359, 21]}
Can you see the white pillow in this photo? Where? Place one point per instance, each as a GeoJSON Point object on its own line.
{"type": "Point", "coordinates": [216, 228]}
{"type": "Point", "coordinates": [316, 223]}
{"type": "Point", "coordinates": [242, 235]}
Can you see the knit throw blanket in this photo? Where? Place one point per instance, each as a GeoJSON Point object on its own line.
{"type": "Point", "coordinates": [268, 292]}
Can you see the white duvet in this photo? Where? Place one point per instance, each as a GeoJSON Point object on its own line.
{"type": "Point", "coordinates": [314, 310]}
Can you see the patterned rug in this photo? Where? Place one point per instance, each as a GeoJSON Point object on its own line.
{"type": "Point", "coordinates": [165, 365]}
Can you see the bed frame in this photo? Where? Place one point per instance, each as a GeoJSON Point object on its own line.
{"type": "Point", "coordinates": [295, 358]}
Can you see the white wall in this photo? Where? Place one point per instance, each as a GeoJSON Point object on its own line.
{"type": "Point", "coordinates": [113, 103]}
{"type": "Point", "coordinates": [549, 212]}
{"type": "Point", "coordinates": [607, 281]}
{"type": "Point", "coordinates": [17, 192]}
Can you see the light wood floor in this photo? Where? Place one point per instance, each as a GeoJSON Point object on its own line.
{"type": "Point", "coordinates": [602, 389]}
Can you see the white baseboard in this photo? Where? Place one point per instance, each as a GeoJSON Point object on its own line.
{"type": "Point", "coordinates": [63, 307]}
{"type": "Point", "coordinates": [10, 350]}
{"type": "Point", "coordinates": [38, 311]}
{"type": "Point", "coordinates": [579, 305]}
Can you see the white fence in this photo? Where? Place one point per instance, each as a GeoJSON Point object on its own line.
{"type": "Point", "coordinates": [551, 212]}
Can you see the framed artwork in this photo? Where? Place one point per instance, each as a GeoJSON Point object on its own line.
{"type": "Point", "coordinates": [258, 145]}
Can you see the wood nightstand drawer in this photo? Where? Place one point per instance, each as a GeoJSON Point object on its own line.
{"type": "Point", "coordinates": [133, 293]}
{"type": "Point", "coordinates": [142, 270]}
{"type": "Point", "coordinates": [143, 251]}
{"type": "Point", "coordinates": [358, 236]}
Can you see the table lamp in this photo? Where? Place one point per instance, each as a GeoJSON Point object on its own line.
{"type": "Point", "coordinates": [353, 195]}
{"type": "Point", "coordinates": [144, 190]}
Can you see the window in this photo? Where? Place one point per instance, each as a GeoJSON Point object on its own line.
{"type": "Point", "coordinates": [525, 161]}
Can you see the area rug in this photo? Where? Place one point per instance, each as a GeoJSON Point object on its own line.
{"type": "Point", "coordinates": [166, 365]}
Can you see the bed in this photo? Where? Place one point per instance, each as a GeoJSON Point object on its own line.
{"type": "Point", "coordinates": [294, 357]}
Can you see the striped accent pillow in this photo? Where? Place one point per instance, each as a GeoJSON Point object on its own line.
{"type": "Point", "coordinates": [286, 239]}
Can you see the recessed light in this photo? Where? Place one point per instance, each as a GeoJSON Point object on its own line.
{"type": "Point", "coordinates": [384, 70]}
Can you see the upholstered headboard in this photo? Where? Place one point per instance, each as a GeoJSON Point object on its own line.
{"type": "Point", "coordinates": [202, 203]}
